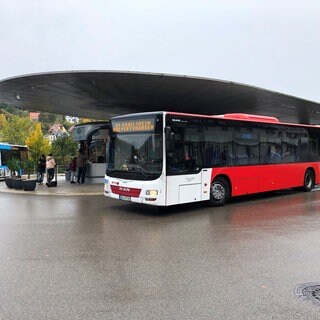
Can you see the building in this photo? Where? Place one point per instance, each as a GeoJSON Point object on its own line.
{"type": "Point", "coordinates": [34, 116]}
{"type": "Point", "coordinates": [55, 131]}
{"type": "Point", "coordinates": [72, 119]}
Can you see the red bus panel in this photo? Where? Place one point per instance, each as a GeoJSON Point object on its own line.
{"type": "Point", "coordinates": [262, 178]}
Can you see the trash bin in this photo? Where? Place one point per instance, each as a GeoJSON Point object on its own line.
{"type": "Point", "coordinates": [68, 175]}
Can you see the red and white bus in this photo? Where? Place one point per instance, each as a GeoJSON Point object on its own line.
{"type": "Point", "coordinates": [169, 158]}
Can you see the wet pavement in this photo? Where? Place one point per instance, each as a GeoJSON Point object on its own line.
{"type": "Point", "coordinates": [84, 256]}
{"type": "Point", "coordinates": [64, 188]}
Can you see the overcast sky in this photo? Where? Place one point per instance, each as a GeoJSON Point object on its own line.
{"type": "Point", "coordinates": [271, 44]}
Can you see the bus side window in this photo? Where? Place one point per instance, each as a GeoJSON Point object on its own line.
{"type": "Point", "coordinates": [287, 155]}
{"type": "Point", "coordinates": [275, 156]}
{"type": "Point", "coordinates": [264, 153]}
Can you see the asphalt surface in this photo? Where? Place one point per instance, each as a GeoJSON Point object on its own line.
{"type": "Point", "coordinates": [64, 188]}
{"type": "Point", "coordinates": [84, 256]}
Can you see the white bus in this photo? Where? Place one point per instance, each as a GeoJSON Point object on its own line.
{"type": "Point", "coordinates": [168, 158]}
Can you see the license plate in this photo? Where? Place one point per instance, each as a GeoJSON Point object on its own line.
{"type": "Point", "coordinates": [126, 198]}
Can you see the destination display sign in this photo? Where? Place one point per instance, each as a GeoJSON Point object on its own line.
{"type": "Point", "coordinates": [132, 125]}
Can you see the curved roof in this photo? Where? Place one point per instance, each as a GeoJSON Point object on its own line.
{"type": "Point", "coordinates": [102, 94]}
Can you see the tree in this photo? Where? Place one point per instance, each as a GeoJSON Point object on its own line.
{"type": "Point", "coordinates": [4, 108]}
{"type": "Point", "coordinates": [37, 144]}
{"type": "Point", "coordinates": [15, 129]}
{"type": "Point", "coordinates": [47, 119]}
{"type": "Point", "coordinates": [64, 148]}
{"type": "Point", "coordinates": [3, 122]}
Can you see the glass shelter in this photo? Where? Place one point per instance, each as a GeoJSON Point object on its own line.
{"type": "Point", "coordinates": [93, 138]}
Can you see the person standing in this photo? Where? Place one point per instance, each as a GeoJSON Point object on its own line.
{"type": "Point", "coordinates": [82, 166]}
{"type": "Point", "coordinates": [50, 163]}
{"type": "Point", "coordinates": [73, 169]}
{"type": "Point", "coordinates": [41, 168]}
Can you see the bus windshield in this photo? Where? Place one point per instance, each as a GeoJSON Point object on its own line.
{"type": "Point", "coordinates": [136, 148]}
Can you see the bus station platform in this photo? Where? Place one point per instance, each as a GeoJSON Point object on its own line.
{"type": "Point", "coordinates": [64, 188]}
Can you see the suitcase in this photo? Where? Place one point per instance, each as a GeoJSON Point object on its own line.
{"type": "Point", "coordinates": [53, 183]}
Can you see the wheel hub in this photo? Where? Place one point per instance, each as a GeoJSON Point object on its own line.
{"type": "Point", "coordinates": [218, 191]}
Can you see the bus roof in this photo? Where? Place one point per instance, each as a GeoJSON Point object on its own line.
{"type": "Point", "coordinates": [228, 116]}
{"type": "Point", "coordinates": [6, 145]}
{"type": "Point", "coordinates": [248, 117]}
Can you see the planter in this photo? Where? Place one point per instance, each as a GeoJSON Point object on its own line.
{"type": "Point", "coordinates": [17, 183]}
{"type": "Point", "coordinates": [29, 185]}
{"type": "Point", "coordinates": [8, 181]}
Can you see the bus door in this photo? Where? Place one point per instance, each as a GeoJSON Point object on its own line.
{"type": "Point", "coordinates": [186, 180]}
{"type": "Point", "coordinates": [183, 162]}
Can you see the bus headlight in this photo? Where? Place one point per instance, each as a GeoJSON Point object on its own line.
{"type": "Point", "coordinates": [152, 193]}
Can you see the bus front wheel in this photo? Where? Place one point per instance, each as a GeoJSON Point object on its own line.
{"type": "Point", "coordinates": [308, 182]}
{"type": "Point", "coordinates": [219, 192]}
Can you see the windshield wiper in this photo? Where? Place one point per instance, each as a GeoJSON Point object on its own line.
{"type": "Point", "coordinates": [138, 168]}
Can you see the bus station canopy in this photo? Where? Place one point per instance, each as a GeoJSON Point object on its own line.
{"type": "Point", "coordinates": [103, 94]}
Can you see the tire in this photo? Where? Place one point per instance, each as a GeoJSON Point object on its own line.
{"type": "Point", "coordinates": [219, 192]}
{"type": "Point", "coordinates": [308, 181]}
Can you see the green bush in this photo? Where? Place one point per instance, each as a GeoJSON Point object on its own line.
{"type": "Point", "coordinates": [14, 166]}
{"type": "Point", "coordinates": [28, 166]}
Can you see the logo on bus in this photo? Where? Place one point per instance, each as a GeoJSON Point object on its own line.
{"type": "Point", "coordinates": [124, 189]}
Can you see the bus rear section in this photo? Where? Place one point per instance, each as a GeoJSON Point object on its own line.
{"type": "Point", "coordinates": [245, 155]}
{"type": "Point", "coordinates": [254, 179]}
{"type": "Point", "coordinates": [231, 182]}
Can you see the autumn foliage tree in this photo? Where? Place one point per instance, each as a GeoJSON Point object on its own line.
{"type": "Point", "coordinates": [3, 122]}
{"type": "Point", "coordinates": [37, 144]}
{"type": "Point", "coordinates": [15, 129]}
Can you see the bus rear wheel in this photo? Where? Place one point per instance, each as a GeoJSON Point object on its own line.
{"type": "Point", "coordinates": [219, 192]}
{"type": "Point", "coordinates": [308, 182]}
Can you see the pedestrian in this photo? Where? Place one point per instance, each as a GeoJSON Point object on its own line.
{"type": "Point", "coordinates": [50, 163]}
{"type": "Point", "coordinates": [41, 169]}
{"type": "Point", "coordinates": [73, 169]}
{"type": "Point", "coordinates": [82, 166]}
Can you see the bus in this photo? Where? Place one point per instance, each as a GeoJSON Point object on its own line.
{"type": "Point", "coordinates": [8, 152]}
{"type": "Point", "coordinates": [169, 158]}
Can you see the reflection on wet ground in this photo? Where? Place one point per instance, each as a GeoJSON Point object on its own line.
{"type": "Point", "coordinates": [89, 257]}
